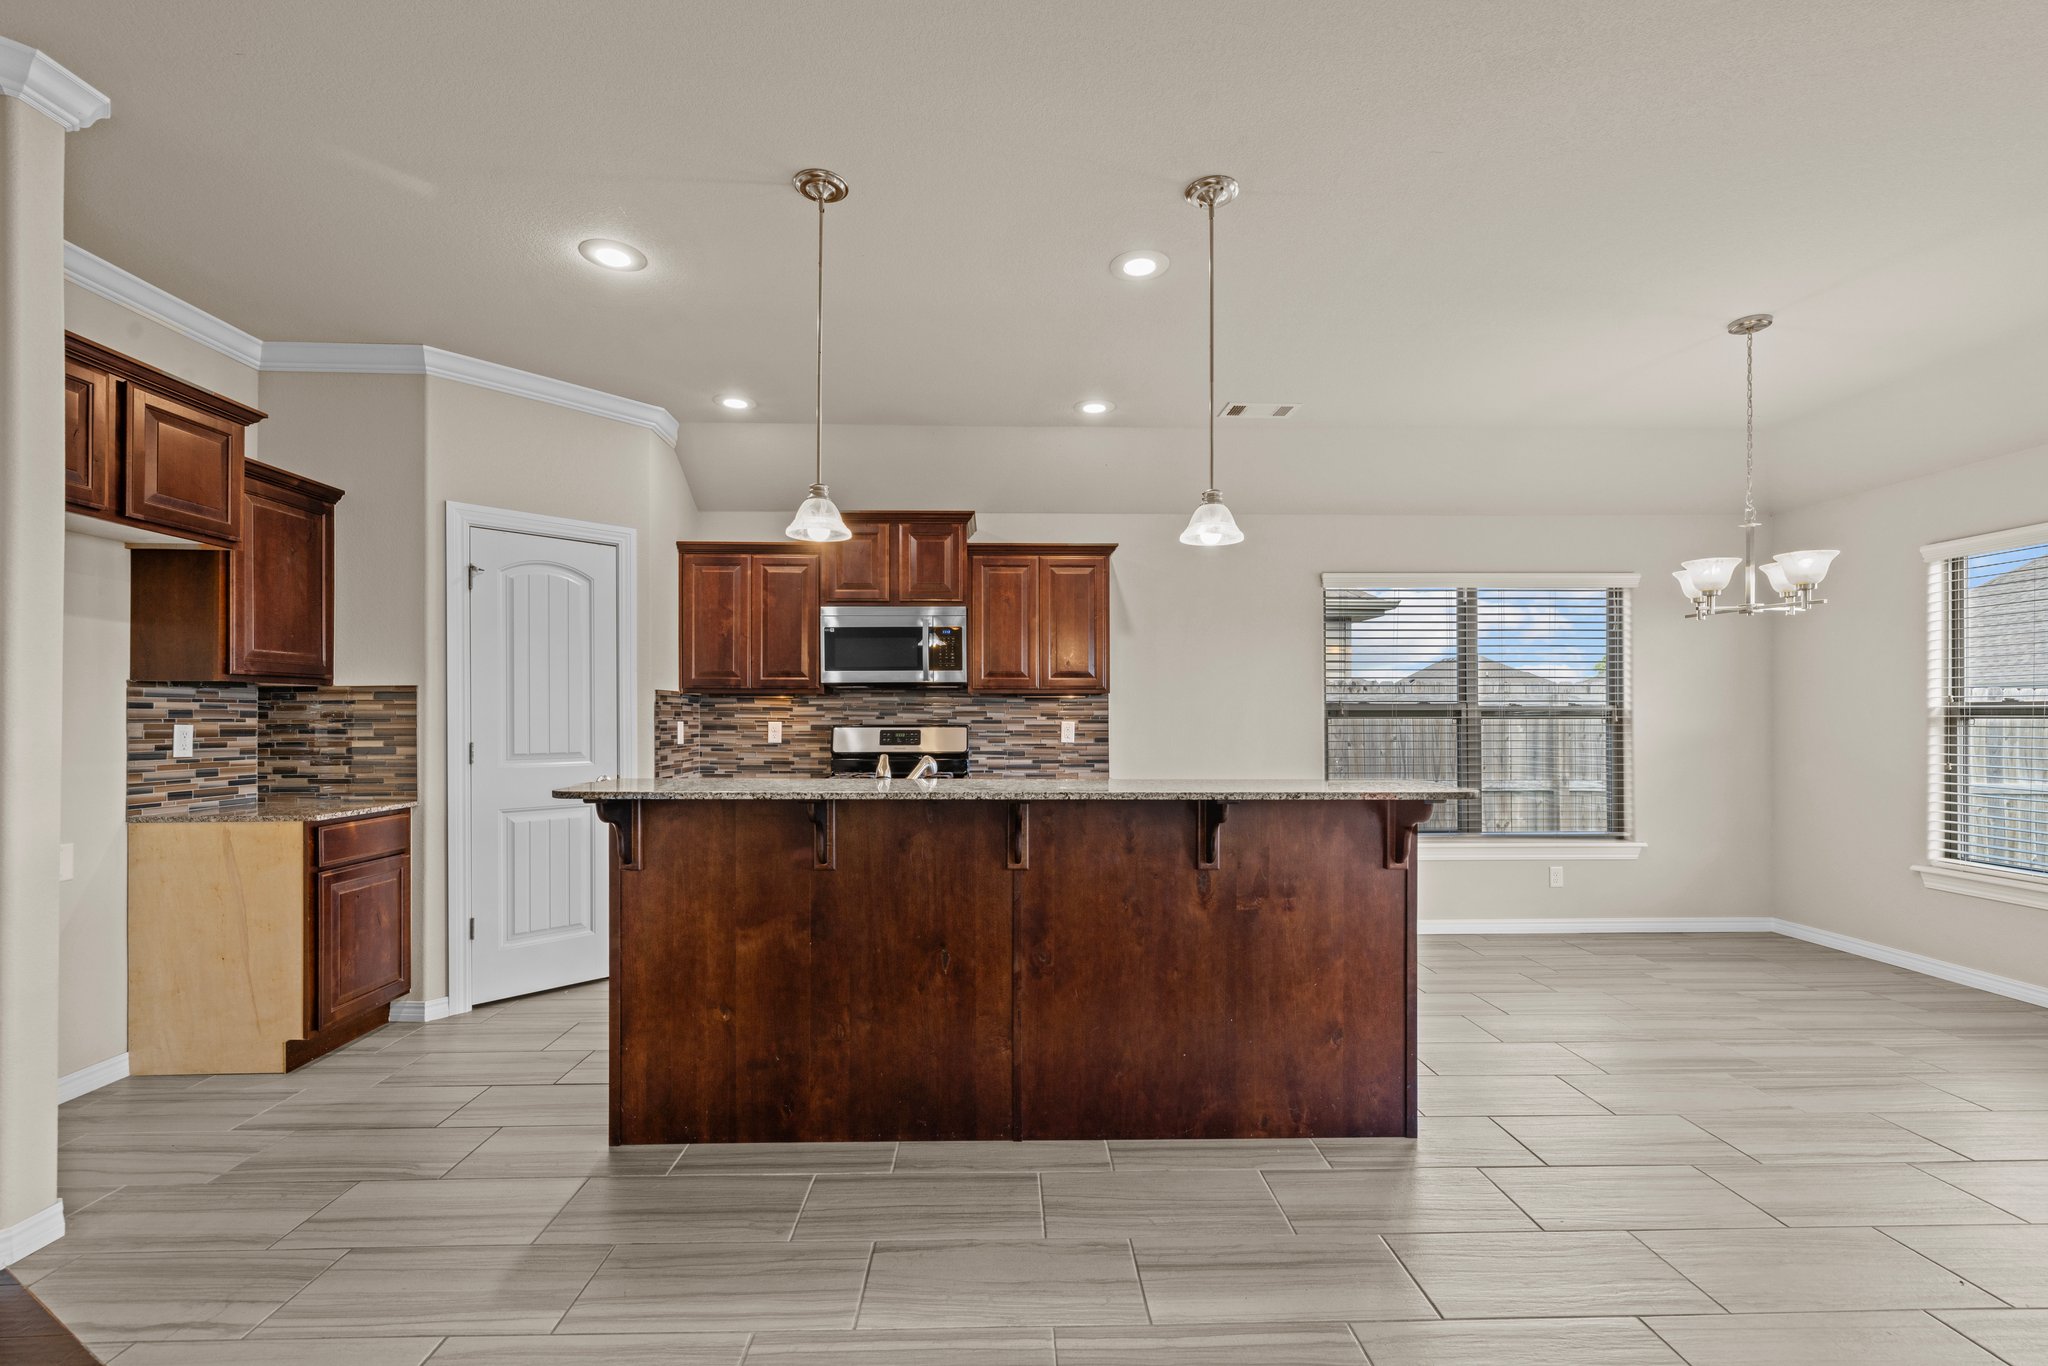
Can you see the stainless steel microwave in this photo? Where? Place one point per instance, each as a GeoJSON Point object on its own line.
{"type": "Point", "coordinates": [893, 644]}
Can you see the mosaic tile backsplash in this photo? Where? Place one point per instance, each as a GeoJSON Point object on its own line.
{"type": "Point", "coordinates": [1016, 737]}
{"type": "Point", "coordinates": [250, 741]}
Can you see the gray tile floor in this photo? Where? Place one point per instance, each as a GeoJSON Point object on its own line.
{"type": "Point", "coordinates": [1635, 1150]}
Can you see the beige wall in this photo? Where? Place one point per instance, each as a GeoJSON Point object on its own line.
{"type": "Point", "coordinates": [31, 656]}
{"type": "Point", "coordinates": [92, 908]}
{"type": "Point", "coordinates": [1850, 711]}
{"type": "Point", "coordinates": [1217, 671]}
{"type": "Point", "coordinates": [501, 451]}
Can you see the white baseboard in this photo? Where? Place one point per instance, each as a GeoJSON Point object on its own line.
{"type": "Point", "coordinates": [85, 1080]}
{"type": "Point", "coordinates": [1761, 924]}
{"type": "Point", "coordinates": [1792, 929]}
{"type": "Point", "coordinates": [416, 1012]}
{"type": "Point", "coordinates": [1918, 962]}
{"type": "Point", "coordinates": [37, 1231]}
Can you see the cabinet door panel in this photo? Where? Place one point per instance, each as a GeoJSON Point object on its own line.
{"type": "Point", "coordinates": [1073, 605]}
{"type": "Point", "coordinates": [281, 576]}
{"type": "Point", "coordinates": [858, 570]}
{"type": "Point", "coordinates": [88, 437]}
{"type": "Point", "coordinates": [716, 641]}
{"type": "Point", "coordinates": [1001, 627]}
{"type": "Point", "coordinates": [184, 466]}
{"type": "Point", "coordinates": [362, 930]}
{"type": "Point", "coordinates": [931, 562]}
{"type": "Point", "coordinates": [785, 623]}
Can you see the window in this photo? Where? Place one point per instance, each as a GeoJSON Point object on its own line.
{"type": "Point", "coordinates": [1990, 696]}
{"type": "Point", "coordinates": [1517, 686]}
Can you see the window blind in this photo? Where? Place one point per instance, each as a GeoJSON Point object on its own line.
{"type": "Point", "coordinates": [1991, 707]}
{"type": "Point", "coordinates": [1521, 692]}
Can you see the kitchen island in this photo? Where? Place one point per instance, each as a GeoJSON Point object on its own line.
{"type": "Point", "coordinates": [843, 959]}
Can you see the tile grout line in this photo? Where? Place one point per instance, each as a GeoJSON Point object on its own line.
{"type": "Point", "coordinates": [1271, 1195]}
{"type": "Point", "coordinates": [1144, 1300]}
{"type": "Point", "coordinates": [1914, 1251]}
{"type": "Point", "coordinates": [801, 1205]}
{"type": "Point", "coordinates": [860, 1300]}
{"type": "Point", "coordinates": [1636, 1238]}
{"type": "Point", "coordinates": [1413, 1279]}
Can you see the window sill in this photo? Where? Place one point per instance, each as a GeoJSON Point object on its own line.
{"type": "Point", "coordinates": [1497, 848]}
{"type": "Point", "coordinates": [2015, 889]}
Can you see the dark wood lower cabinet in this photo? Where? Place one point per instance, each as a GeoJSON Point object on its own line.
{"type": "Point", "coordinates": [257, 946]}
{"type": "Point", "coordinates": [964, 969]}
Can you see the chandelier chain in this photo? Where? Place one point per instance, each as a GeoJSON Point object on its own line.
{"type": "Point", "coordinates": [1749, 431]}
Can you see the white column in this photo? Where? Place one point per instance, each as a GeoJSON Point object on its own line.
{"type": "Point", "coordinates": [42, 103]}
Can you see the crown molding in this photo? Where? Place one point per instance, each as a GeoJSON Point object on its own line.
{"type": "Point", "coordinates": [44, 85]}
{"type": "Point", "coordinates": [132, 292]}
{"type": "Point", "coordinates": [111, 282]}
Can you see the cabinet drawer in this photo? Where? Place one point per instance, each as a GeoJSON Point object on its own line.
{"type": "Point", "coordinates": [338, 842]}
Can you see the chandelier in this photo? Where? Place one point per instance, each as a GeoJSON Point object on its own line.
{"type": "Point", "coordinates": [1794, 575]}
{"type": "Point", "coordinates": [817, 518]}
{"type": "Point", "coordinates": [1212, 523]}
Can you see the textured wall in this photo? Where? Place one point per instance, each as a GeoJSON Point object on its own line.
{"type": "Point", "coordinates": [249, 741]}
{"type": "Point", "coordinates": [1011, 736]}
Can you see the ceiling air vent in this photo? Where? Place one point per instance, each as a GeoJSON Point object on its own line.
{"type": "Point", "coordinates": [1259, 410]}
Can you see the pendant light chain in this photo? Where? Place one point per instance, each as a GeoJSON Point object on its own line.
{"type": "Point", "coordinates": [818, 465]}
{"type": "Point", "coordinates": [1749, 431]}
{"type": "Point", "coordinates": [1211, 206]}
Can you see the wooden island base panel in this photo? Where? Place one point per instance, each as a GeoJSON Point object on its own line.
{"type": "Point", "coordinates": [987, 959]}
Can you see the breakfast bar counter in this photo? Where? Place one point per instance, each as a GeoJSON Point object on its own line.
{"type": "Point", "coordinates": [841, 959]}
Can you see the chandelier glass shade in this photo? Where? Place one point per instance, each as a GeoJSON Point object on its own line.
{"type": "Point", "coordinates": [1791, 577]}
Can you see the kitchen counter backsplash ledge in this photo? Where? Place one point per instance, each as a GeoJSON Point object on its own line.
{"type": "Point", "coordinates": [253, 741]}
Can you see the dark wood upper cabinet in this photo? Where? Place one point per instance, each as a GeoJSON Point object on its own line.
{"type": "Point", "coordinates": [749, 618]}
{"type": "Point", "coordinates": [784, 595]}
{"type": "Point", "coordinates": [899, 557]}
{"type": "Point", "coordinates": [146, 449]}
{"type": "Point", "coordinates": [281, 578]}
{"type": "Point", "coordinates": [1038, 619]}
{"type": "Point", "coordinates": [1002, 624]}
{"type": "Point", "coordinates": [858, 570]}
{"type": "Point", "coordinates": [88, 437]}
{"type": "Point", "coordinates": [261, 610]}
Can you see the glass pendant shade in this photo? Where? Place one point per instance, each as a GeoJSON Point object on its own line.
{"type": "Point", "coordinates": [1713, 575]}
{"type": "Point", "coordinates": [1685, 584]}
{"type": "Point", "coordinates": [1775, 572]}
{"type": "Point", "coordinates": [1212, 523]}
{"type": "Point", "coordinates": [1806, 568]}
{"type": "Point", "coordinates": [819, 520]}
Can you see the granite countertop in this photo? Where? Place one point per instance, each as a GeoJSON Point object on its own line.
{"type": "Point", "coordinates": [1013, 789]}
{"type": "Point", "coordinates": [277, 809]}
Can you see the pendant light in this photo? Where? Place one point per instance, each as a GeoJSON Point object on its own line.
{"type": "Point", "coordinates": [817, 519]}
{"type": "Point", "coordinates": [1212, 523]}
{"type": "Point", "coordinates": [1793, 576]}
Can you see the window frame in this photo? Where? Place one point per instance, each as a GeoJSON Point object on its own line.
{"type": "Point", "coordinates": [1469, 713]}
{"type": "Point", "coordinates": [1947, 870]}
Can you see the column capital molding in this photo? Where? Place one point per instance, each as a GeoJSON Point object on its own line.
{"type": "Point", "coordinates": [47, 86]}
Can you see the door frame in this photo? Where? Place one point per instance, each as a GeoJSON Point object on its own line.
{"type": "Point", "coordinates": [464, 518]}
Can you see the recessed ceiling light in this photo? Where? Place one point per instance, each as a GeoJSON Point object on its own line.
{"type": "Point", "coordinates": [602, 251]}
{"type": "Point", "coordinates": [1094, 407]}
{"type": "Point", "coordinates": [735, 402]}
{"type": "Point", "coordinates": [1139, 265]}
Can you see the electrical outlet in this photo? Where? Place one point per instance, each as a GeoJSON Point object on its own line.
{"type": "Point", "coordinates": [67, 862]}
{"type": "Point", "coordinates": [682, 730]}
{"type": "Point", "coordinates": [1557, 875]}
{"type": "Point", "coordinates": [774, 732]}
{"type": "Point", "coordinates": [1066, 732]}
{"type": "Point", "coordinates": [181, 741]}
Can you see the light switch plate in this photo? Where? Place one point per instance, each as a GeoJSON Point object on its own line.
{"type": "Point", "coordinates": [774, 732]}
{"type": "Point", "coordinates": [181, 741]}
{"type": "Point", "coordinates": [67, 862]}
{"type": "Point", "coordinates": [1066, 732]}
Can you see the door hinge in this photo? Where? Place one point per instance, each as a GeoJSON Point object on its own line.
{"type": "Point", "coordinates": [474, 570]}
{"type": "Point", "coordinates": [472, 751]}
{"type": "Point", "coordinates": [472, 927]}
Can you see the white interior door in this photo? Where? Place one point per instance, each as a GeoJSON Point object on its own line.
{"type": "Point", "coordinates": [544, 713]}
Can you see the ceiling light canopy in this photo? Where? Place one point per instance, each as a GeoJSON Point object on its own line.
{"type": "Point", "coordinates": [1212, 523]}
{"type": "Point", "coordinates": [1094, 407]}
{"type": "Point", "coordinates": [735, 402]}
{"type": "Point", "coordinates": [1139, 265]}
{"type": "Point", "coordinates": [1796, 573]}
{"type": "Point", "coordinates": [817, 517]}
{"type": "Point", "coordinates": [602, 251]}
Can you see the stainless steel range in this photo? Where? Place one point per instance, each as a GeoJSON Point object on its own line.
{"type": "Point", "coordinates": [863, 750]}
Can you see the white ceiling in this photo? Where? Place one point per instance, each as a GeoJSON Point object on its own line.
{"type": "Point", "coordinates": [1528, 218]}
